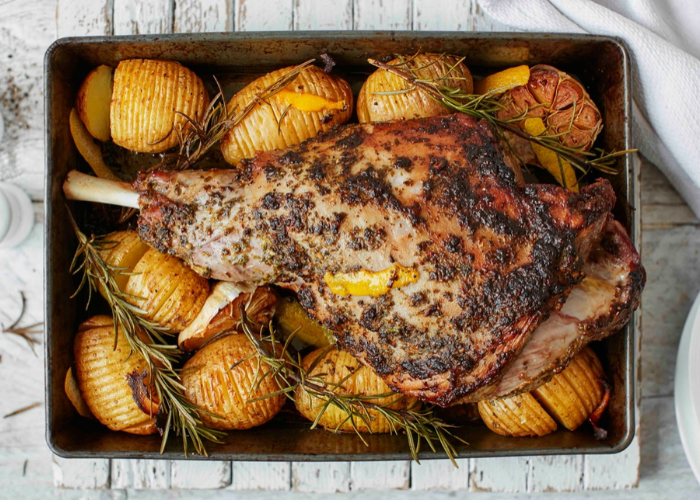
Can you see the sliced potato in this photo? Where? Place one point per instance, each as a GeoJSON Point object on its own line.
{"type": "Point", "coordinates": [220, 379]}
{"type": "Point", "coordinates": [168, 291]}
{"type": "Point", "coordinates": [340, 368]}
{"type": "Point", "coordinates": [292, 319]}
{"type": "Point", "coordinates": [572, 395]}
{"type": "Point", "coordinates": [113, 380]}
{"type": "Point", "coordinates": [150, 101]}
{"type": "Point", "coordinates": [72, 389]}
{"type": "Point", "coordinates": [123, 249]}
{"type": "Point", "coordinates": [386, 97]}
{"type": "Point", "coordinates": [517, 416]}
{"type": "Point", "coordinates": [88, 149]}
{"type": "Point", "coordinates": [314, 102]}
{"type": "Point", "coordinates": [93, 101]}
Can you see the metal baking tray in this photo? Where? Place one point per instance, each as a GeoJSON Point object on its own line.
{"type": "Point", "coordinates": [601, 63]}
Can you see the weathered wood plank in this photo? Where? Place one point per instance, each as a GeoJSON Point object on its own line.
{"type": "Point", "coordinates": [383, 14]}
{"type": "Point", "coordinates": [377, 476]}
{"type": "Point", "coordinates": [195, 16]}
{"type": "Point", "coordinates": [271, 476]}
{"type": "Point", "coordinates": [447, 15]}
{"type": "Point", "coordinates": [81, 18]}
{"type": "Point", "coordinates": [133, 17]}
{"type": "Point", "coordinates": [323, 15]}
{"type": "Point", "coordinates": [440, 475]}
{"type": "Point", "coordinates": [321, 477]}
{"type": "Point", "coordinates": [556, 473]}
{"type": "Point", "coordinates": [26, 29]}
{"type": "Point", "coordinates": [499, 474]}
{"type": "Point", "coordinates": [613, 472]}
{"type": "Point", "coordinates": [81, 473]}
{"type": "Point", "coordinates": [253, 15]}
{"type": "Point", "coordinates": [198, 475]}
{"type": "Point", "coordinates": [672, 262]}
{"type": "Point", "coordinates": [140, 474]}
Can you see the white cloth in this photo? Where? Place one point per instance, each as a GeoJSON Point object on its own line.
{"type": "Point", "coordinates": [663, 38]}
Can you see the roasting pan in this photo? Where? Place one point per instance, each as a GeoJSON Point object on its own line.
{"type": "Point", "coordinates": [601, 63]}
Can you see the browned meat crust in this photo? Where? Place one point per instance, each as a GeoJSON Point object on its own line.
{"type": "Point", "coordinates": [494, 258]}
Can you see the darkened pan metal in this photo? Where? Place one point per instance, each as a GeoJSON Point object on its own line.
{"type": "Point", "coordinates": [601, 63]}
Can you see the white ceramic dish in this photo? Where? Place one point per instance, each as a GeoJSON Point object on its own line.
{"type": "Point", "coordinates": [687, 389]}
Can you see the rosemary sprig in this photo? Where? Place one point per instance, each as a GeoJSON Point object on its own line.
{"type": "Point", "coordinates": [24, 332]}
{"type": "Point", "coordinates": [201, 135]}
{"type": "Point", "coordinates": [96, 274]}
{"type": "Point", "coordinates": [486, 106]}
{"type": "Point", "coordinates": [276, 361]}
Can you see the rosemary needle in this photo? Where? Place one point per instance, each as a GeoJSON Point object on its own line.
{"type": "Point", "coordinates": [22, 410]}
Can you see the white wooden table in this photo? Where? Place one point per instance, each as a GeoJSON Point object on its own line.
{"type": "Point", "coordinates": [654, 463]}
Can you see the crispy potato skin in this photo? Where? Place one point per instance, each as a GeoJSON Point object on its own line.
{"type": "Point", "coordinates": [334, 367]}
{"type": "Point", "coordinates": [93, 101]}
{"type": "Point", "coordinates": [103, 374]}
{"type": "Point", "coordinates": [262, 130]}
{"type": "Point", "coordinates": [572, 395]}
{"type": "Point", "coordinates": [149, 99]}
{"type": "Point", "coordinates": [415, 103]}
{"type": "Point", "coordinates": [170, 292]}
{"type": "Point", "coordinates": [218, 379]}
{"type": "Point", "coordinates": [517, 416]}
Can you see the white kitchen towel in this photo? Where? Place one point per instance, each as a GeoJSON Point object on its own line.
{"type": "Point", "coordinates": [663, 37]}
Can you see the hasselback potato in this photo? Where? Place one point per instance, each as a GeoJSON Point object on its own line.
{"type": "Point", "coordinates": [113, 380]}
{"type": "Point", "coordinates": [404, 102]}
{"type": "Point", "coordinates": [314, 102]}
{"type": "Point", "coordinates": [219, 378]}
{"type": "Point", "coordinates": [569, 398]}
{"type": "Point", "coordinates": [517, 416]}
{"type": "Point", "coordinates": [572, 395]}
{"type": "Point", "coordinates": [170, 293]}
{"type": "Point", "coordinates": [150, 100]}
{"type": "Point", "coordinates": [339, 367]}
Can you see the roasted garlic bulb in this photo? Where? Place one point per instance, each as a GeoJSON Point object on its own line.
{"type": "Point", "coordinates": [150, 100]}
{"type": "Point", "coordinates": [114, 380]}
{"type": "Point", "coordinates": [569, 398]}
{"type": "Point", "coordinates": [220, 380]}
{"type": "Point", "coordinates": [560, 101]}
{"type": "Point", "coordinates": [163, 286]}
{"type": "Point", "coordinates": [385, 97]}
{"type": "Point", "coordinates": [222, 312]}
{"type": "Point", "coordinates": [314, 102]}
{"type": "Point", "coordinates": [339, 367]}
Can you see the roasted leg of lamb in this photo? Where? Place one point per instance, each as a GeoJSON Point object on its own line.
{"type": "Point", "coordinates": [491, 259]}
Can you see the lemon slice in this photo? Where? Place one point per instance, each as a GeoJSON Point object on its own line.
{"type": "Point", "coordinates": [561, 169]}
{"type": "Point", "coordinates": [503, 80]}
